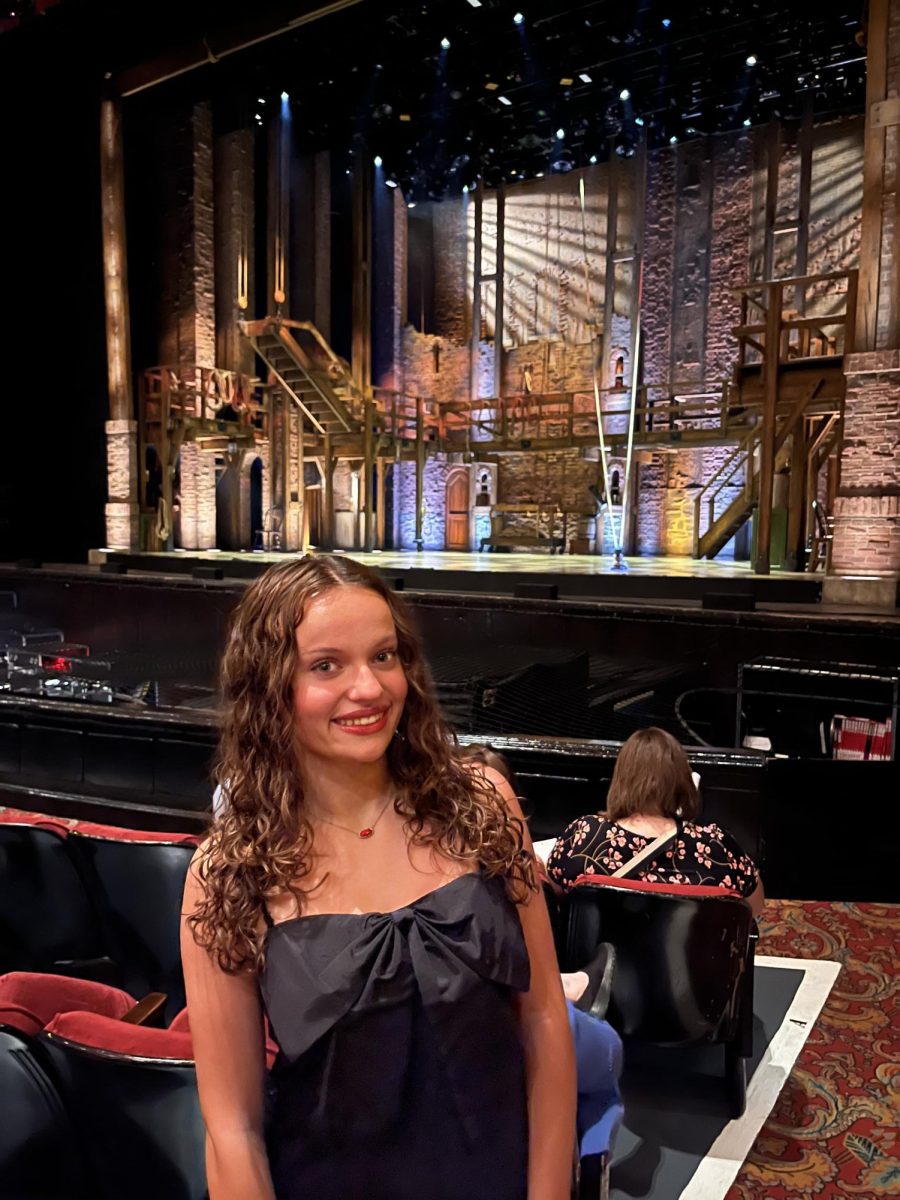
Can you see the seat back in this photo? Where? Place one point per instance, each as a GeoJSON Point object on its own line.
{"type": "Point", "coordinates": [39, 1154]}
{"type": "Point", "coordinates": [46, 916]}
{"type": "Point", "coordinates": [138, 886]}
{"type": "Point", "coordinates": [680, 956]}
{"type": "Point", "coordinates": [136, 1115]}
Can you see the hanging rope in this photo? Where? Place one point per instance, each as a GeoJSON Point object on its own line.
{"type": "Point", "coordinates": [604, 462]}
{"type": "Point", "coordinates": [163, 523]}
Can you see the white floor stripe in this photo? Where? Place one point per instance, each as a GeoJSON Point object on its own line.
{"type": "Point", "coordinates": [718, 1170]}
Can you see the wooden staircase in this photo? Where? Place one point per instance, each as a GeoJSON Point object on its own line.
{"type": "Point", "coordinates": [306, 368]}
{"type": "Point", "coordinates": [788, 382]}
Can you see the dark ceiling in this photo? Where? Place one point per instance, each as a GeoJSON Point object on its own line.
{"type": "Point", "coordinates": [493, 102]}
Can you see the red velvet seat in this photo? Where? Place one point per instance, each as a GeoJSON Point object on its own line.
{"type": "Point", "coordinates": [29, 1001]}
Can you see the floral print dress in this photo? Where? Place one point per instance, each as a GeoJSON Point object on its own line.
{"type": "Point", "coordinates": [702, 854]}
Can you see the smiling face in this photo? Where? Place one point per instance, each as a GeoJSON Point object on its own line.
{"type": "Point", "coordinates": [350, 686]}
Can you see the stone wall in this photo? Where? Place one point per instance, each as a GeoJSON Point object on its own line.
{"type": "Point", "coordinates": [234, 247]}
{"type": "Point", "coordinates": [867, 509]}
{"type": "Point", "coordinates": [197, 470]}
{"type": "Point", "coordinates": [187, 297]}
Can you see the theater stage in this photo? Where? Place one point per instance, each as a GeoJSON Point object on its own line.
{"type": "Point", "coordinates": [680, 580]}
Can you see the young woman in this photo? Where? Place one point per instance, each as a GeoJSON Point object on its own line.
{"type": "Point", "coordinates": [375, 898]}
{"type": "Point", "coordinates": [652, 795]}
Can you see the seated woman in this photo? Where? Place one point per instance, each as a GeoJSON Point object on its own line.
{"type": "Point", "coordinates": [653, 802]}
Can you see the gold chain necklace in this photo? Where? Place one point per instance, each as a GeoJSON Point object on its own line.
{"type": "Point", "coordinates": [364, 833]}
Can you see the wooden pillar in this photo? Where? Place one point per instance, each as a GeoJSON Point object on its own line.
{"type": "Point", "coordinates": [369, 477]}
{"type": "Point", "coordinates": [498, 292]}
{"type": "Point", "coordinates": [302, 533]}
{"type": "Point", "coordinates": [285, 470]}
{"type": "Point", "coordinates": [420, 469]}
{"type": "Point", "coordinates": [379, 507]}
{"type": "Point", "coordinates": [773, 155]}
{"type": "Point", "coordinates": [767, 443]}
{"type": "Point", "coordinates": [475, 340]}
{"type": "Point", "coordinates": [328, 515]}
{"type": "Point", "coordinates": [361, 306]}
{"type": "Point", "coordinates": [797, 501]}
{"type": "Point", "coordinates": [122, 530]}
{"type": "Point", "coordinates": [871, 232]}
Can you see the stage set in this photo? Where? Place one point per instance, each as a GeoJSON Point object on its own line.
{"type": "Point", "coordinates": [582, 328]}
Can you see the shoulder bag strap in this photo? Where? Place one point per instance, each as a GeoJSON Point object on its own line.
{"type": "Point", "coordinates": [627, 870]}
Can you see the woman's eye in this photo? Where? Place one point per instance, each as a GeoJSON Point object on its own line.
{"type": "Point", "coordinates": [385, 656]}
{"type": "Point", "coordinates": [324, 667]}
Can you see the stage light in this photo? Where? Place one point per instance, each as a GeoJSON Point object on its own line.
{"type": "Point", "coordinates": [673, 139]}
{"type": "Point", "coordinates": [284, 97]}
{"type": "Point", "coordinates": [540, 175]}
{"type": "Point", "coordinates": [505, 100]}
{"type": "Point", "coordinates": [560, 134]}
{"type": "Point", "coordinates": [260, 100]}
{"type": "Point", "coordinates": [624, 94]}
{"type": "Point", "coordinates": [475, 3]}
{"type": "Point", "coordinates": [566, 81]}
{"type": "Point", "coordinates": [378, 160]}
{"type": "Point", "coordinates": [585, 77]}
{"type": "Point", "coordinates": [518, 18]}
{"type": "Point", "coordinates": [751, 60]}
{"type": "Point", "coordinates": [465, 189]}
{"type": "Point", "coordinates": [666, 22]}
{"type": "Point", "coordinates": [258, 117]}
{"type": "Point", "coordinates": [639, 121]}
{"type": "Point", "coordinates": [411, 204]}
{"type": "Point", "coordinates": [391, 183]}
{"type": "Point", "coordinates": [445, 43]}
{"type": "Point", "coordinates": [593, 160]}
{"type": "Point", "coordinates": [747, 122]}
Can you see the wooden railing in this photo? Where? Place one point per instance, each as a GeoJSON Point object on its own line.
{"type": "Point", "coordinates": [190, 393]}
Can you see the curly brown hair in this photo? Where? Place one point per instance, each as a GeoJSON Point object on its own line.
{"type": "Point", "coordinates": [261, 843]}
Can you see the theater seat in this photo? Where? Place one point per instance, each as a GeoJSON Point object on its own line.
{"type": "Point", "coordinates": [47, 920]}
{"type": "Point", "coordinates": [684, 964]}
{"type": "Point", "coordinates": [39, 1154]}
{"type": "Point", "coordinates": [133, 1096]}
{"type": "Point", "coordinates": [136, 881]}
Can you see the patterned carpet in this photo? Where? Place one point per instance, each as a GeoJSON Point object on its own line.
{"type": "Point", "coordinates": [834, 1131]}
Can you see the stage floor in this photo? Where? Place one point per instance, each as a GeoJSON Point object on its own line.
{"type": "Point", "coordinates": [666, 580]}
{"type": "Point", "coordinates": [514, 563]}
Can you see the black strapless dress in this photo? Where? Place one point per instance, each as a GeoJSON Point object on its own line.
{"type": "Point", "coordinates": [400, 1074]}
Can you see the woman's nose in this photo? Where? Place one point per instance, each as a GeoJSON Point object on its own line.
{"type": "Point", "coordinates": [366, 685]}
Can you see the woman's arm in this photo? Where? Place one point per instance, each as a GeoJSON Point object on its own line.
{"type": "Point", "coordinates": [228, 1036]}
{"type": "Point", "coordinates": [549, 1054]}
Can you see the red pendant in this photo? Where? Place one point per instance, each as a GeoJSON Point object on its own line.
{"type": "Point", "coordinates": [366, 833]}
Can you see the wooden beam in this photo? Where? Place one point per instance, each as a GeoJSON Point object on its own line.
{"type": "Point", "coordinates": [796, 499]}
{"type": "Point", "coordinates": [115, 263]}
{"type": "Point", "coordinates": [870, 244]}
{"type": "Point", "coordinates": [328, 515]}
{"type": "Point", "coordinates": [805, 151]}
{"type": "Point", "coordinates": [773, 156]}
{"type": "Point", "coordinates": [498, 292]}
{"type": "Point", "coordinates": [420, 469]}
{"type": "Point", "coordinates": [369, 477]}
{"type": "Point", "coordinates": [767, 433]}
{"type": "Point", "coordinates": [361, 300]}
{"type": "Point", "coordinates": [256, 24]}
{"type": "Point", "coordinates": [612, 237]}
{"type": "Point", "coordinates": [475, 339]}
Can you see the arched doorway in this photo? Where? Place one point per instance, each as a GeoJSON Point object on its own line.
{"type": "Point", "coordinates": [457, 510]}
{"type": "Point", "coordinates": [256, 504]}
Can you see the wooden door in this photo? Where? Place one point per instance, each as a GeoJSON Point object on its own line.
{"type": "Point", "coordinates": [457, 510]}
